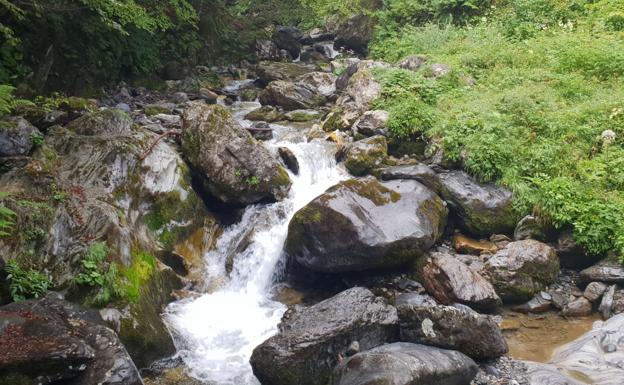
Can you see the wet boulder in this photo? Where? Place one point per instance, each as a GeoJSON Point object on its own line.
{"type": "Point", "coordinates": [269, 71]}
{"type": "Point", "coordinates": [290, 159]}
{"type": "Point", "coordinates": [302, 115]}
{"type": "Point", "coordinates": [324, 82]}
{"type": "Point", "coordinates": [403, 363]}
{"type": "Point", "coordinates": [17, 136]}
{"type": "Point", "coordinates": [265, 113]}
{"type": "Point", "coordinates": [419, 172]}
{"type": "Point", "coordinates": [365, 224]}
{"type": "Point", "coordinates": [607, 272]}
{"type": "Point", "coordinates": [287, 38]}
{"type": "Point", "coordinates": [365, 155]}
{"type": "Point", "coordinates": [580, 307]}
{"type": "Point", "coordinates": [355, 34]}
{"type": "Point", "coordinates": [233, 167]}
{"type": "Point", "coordinates": [466, 245]}
{"type": "Point", "coordinates": [449, 327]}
{"type": "Point", "coordinates": [571, 254]}
{"type": "Point", "coordinates": [371, 123]}
{"type": "Point", "coordinates": [522, 269]}
{"type": "Point", "coordinates": [594, 291]}
{"type": "Point", "coordinates": [291, 96]}
{"type": "Point", "coordinates": [451, 281]}
{"type": "Point", "coordinates": [111, 122]}
{"type": "Point", "coordinates": [50, 340]}
{"type": "Point", "coordinates": [312, 340]}
{"type": "Point", "coordinates": [482, 209]}
{"type": "Point", "coordinates": [540, 303]}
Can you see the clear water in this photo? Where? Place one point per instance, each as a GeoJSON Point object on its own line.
{"type": "Point", "coordinates": [216, 333]}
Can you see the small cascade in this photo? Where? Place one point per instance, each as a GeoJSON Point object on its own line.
{"type": "Point", "coordinates": [217, 332]}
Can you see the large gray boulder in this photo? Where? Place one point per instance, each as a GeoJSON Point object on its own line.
{"type": "Point", "coordinates": [457, 328]}
{"type": "Point", "coordinates": [111, 122]}
{"type": "Point", "coordinates": [451, 281]}
{"type": "Point", "coordinates": [522, 269]}
{"type": "Point", "coordinates": [233, 166]}
{"type": "Point", "coordinates": [287, 38]}
{"type": "Point", "coordinates": [17, 136]}
{"type": "Point", "coordinates": [419, 172]}
{"type": "Point", "coordinates": [403, 363]}
{"type": "Point", "coordinates": [311, 340]}
{"type": "Point", "coordinates": [365, 224]}
{"type": "Point", "coordinates": [355, 34]}
{"type": "Point", "coordinates": [291, 96]}
{"type": "Point", "coordinates": [371, 123]}
{"type": "Point", "coordinates": [269, 71]}
{"type": "Point", "coordinates": [50, 340]}
{"type": "Point", "coordinates": [324, 82]}
{"type": "Point", "coordinates": [607, 272]}
{"type": "Point", "coordinates": [482, 209]}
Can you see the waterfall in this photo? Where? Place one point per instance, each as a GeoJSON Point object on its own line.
{"type": "Point", "coordinates": [216, 333]}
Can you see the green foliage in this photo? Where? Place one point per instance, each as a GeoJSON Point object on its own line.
{"type": "Point", "coordinates": [142, 268]}
{"type": "Point", "coordinates": [6, 217]}
{"type": "Point", "coordinates": [26, 283]}
{"type": "Point", "coordinates": [547, 82]}
{"type": "Point", "coordinates": [101, 276]}
{"type": "Point", "coordinates": [7, 101]}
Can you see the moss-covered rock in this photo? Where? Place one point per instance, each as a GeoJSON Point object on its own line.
{"type": "Point", "coordinates": [482, 209]}
{"type": "Point", "coordinates": [364, 224]}
{"type": "Point", "coordinates": [107, 122]}
{"type": "Point", "coordinates": [363, 156]}
{"type": "Point", "coordinates": [233, 167]}
{"type": "Point", "coordinates": [264, 113]}
{"type": "Point", "coordinates": [302, 115]}
{"type": "Point", "coordinates": [17, 137]}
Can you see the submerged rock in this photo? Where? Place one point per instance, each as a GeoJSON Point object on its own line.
{"type": "Point", "coordinates": [405, 364]}
{"type": "Point", "coordinates": [289, 158]}
{"type": "Point", "coordinates": [234, 168]}
{"type": "Point", "coordinates": [597, 356]}
{"type": "Point", "coordinates": [481, 209]}
{"type": "Point", "coordinates": [50, 340]}
{"type": "Point", "coordinates": [462, 329]}
{"type": "Point", "coordinates": [312, 340]}
{"type": "Point", "coordinates": [364, 224]}
{"type": "Point", "coordinates": [450, 281]}
{"type": "Point", "coordinates": [522, 269]}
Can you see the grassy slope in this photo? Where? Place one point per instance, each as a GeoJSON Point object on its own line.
{"type": "Point", "coordinates": [548, 82]}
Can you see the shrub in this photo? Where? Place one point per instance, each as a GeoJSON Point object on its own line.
{"type": "Point", "coordinates": [26, 283]}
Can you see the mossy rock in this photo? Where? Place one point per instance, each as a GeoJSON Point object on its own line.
{"type": "Point", "coordinates": [265, 114]}
{"type": "Point", "coordinates": [155, 109]}
{"type": "Point", "coordinates": [366, 225]}
{"type": "Point", "coordinates": [363, 156]}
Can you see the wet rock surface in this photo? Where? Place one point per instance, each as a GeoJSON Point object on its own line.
{"type": "Point", "coordinates": [17, 136]}
{"type": "Point", "coordinates": [522, 269]}
{"type": "Point", "coordinates": [291, 96]}
{"type": "Point", "coordinates": [363, 156]}
{"type": "Point", "coordinates": [450, 281]}
{"type": "Point", "coordinates": [481, 209]}
{"type": "Point", "coordinates": [50, 340]}
{"type": "Point", "coordinates": [405, 364]}
{"type": "Point", "coordinates": [234, 168]}
{"type": "Point", "coordinates": [364, 224]}
{"type": "Point", "coordinates": [312, 340]}
{"type": "Point", "coordinates": [607, 272]}
{"type": "Point", "coordinates": [458, 328]}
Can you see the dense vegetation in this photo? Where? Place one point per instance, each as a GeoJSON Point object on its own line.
{"type": "Point", "coordinates": [534, 101]}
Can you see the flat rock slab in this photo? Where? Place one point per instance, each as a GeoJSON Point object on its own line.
{"type": "Point", "coordinates": [404, 363]}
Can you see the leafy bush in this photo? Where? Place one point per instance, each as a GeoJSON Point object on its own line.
{"type": "Point", "coordinates": [26, 283]}
{"type": "Point", "coordinates": [547, 83]}
{"type": "Point", "coordinates": [103, 277]}
{"type": "Point", "coordinates": [7, 101]}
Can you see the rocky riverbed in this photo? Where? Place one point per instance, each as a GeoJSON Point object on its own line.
{"type": "Point", "coordinates": [353, 263]}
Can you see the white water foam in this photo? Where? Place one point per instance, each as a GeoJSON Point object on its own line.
{"type": "Point", "coordinates": [216, 333]}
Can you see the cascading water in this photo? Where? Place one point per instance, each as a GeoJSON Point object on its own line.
{"type": "Point", "coordinates": [217, 332]}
